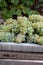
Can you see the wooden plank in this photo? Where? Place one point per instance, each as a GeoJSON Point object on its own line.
{"type": "Point", "coordinates": [20, 62]}
{"type": "Point", "coordinates": [21, 55]}
{"type": "Point", "coordinates": [25, 47]}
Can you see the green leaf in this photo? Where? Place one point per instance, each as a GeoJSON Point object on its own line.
{"type": "Point", "coordinates": [5, 13]}
{"type": "Point", "coordinates": [3, 3]}
{"type": "Point", "coordinates": [18, 12]}
{"type": "Point", "coordinates": [33, 12]}
{"type": "Point", "coordinates": [28, 2]}
{"type": "Point", "coordinates": [12, 10]}
{"type": "Point", "coordinates": [15, 2]}
{"type": "Point", "coordinates": [0, 0]}
{"type": "Point", "coordinates": [26, 10]}
{"type": "Point", "coordinates": [15, 7]}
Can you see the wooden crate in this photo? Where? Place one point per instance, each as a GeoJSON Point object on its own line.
{"type": "Point", "coordinates": [21, 51]}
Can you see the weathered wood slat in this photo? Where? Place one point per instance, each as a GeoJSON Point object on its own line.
{"type": "Point", "coordinates": [23, 47]}
{"type": "Point", "coordinates": [21, 55]}
{"type": "Point", "coordinates": [20, 62]}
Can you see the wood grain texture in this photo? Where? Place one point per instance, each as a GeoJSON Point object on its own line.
{"type": "Point", "coordinates": [21, 55]}
{"type": "Point", "coordinates": [21, 47]}
{"type": "Point", "coordinates": [20, 62]}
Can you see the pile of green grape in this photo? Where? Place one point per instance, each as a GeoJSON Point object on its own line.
{"type": "Point", "coordinates": [22, 30]}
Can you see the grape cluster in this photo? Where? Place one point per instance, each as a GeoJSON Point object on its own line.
{"type": "Point", "coordinates": [37, 25]}
{"type": "Point", "coordinates": [35, 18]}
{"type": "Point", "coordinates": [23, 30]}
{"type": "Point", "coordinates": [7, 37]}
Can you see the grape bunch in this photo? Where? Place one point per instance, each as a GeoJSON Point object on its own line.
{"type": "Point", "coordinates": [22, 30]}
{"type": "Point", "coordinates": [6, 37]}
